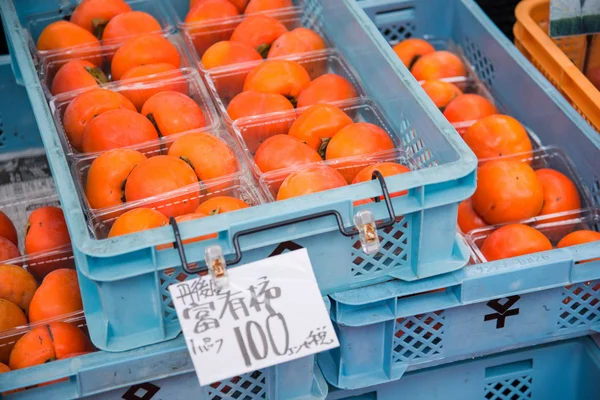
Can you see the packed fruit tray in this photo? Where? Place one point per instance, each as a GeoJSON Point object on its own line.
{"type": "Point", "coordinates": [44, 339]}
{"type": "Point", "coordinates": [120, 275]}
{"type": "Point", "coordinates": [566, 370]}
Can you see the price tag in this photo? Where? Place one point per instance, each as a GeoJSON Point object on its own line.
{"type": "Point", "coordinates": [271, 312]}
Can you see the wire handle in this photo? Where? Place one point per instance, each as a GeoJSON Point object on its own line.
{"type": "Point", "coordinates": [364, 223]}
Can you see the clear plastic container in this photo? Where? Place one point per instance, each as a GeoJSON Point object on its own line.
{"type": "Point", "coordinates": [50, 63]}
{"type": "Point", "coordinates": [100, 220]}
{"type": "Point", "coordinates": [35, 23]}
{"type": "Point", "coordinates": [226, 83]}
{"type": "Point", "coordinates": [200, 37]}
{"type": "Point", "coordinates": [554, 227]}
{"type": "Point", "coordinates": [238, 186]}
{"type": "Point", "coordinates": [9, 337]}
{"type": "Point", "coordinates": [252, 131]}
{"type": "Point", "coordinates": [181, 8]}
{"type": "Point", "coordinates": [186, 76]}
{"type": "Point", "coordinates": [271, 181]}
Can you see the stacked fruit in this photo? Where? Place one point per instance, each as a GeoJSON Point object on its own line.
{"type": "Point", "coordinates": [39, 289]}
{"type": "Point", "coordinates": [103, 39]}
{"type": "Point", "coordinates": [247, 33]}
{"type": "Point", "coordinates": [511, 187]}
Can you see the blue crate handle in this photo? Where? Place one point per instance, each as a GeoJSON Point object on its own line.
{"type": "Point", "coordinates": [178, 244]}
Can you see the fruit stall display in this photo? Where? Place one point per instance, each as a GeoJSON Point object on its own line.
{"type": "Point", "coordinates": [223, 115]}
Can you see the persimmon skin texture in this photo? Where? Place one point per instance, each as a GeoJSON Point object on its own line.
{"type": "Point", "coordinates": [514, 240]}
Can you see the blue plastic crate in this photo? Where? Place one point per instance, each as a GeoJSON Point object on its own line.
{"type": "Point", "coordinates": [26, 184]}
{"type": "Point", "coordinates": [388, 329]}
{"type": "Point", "coordinates": [563, 371]}
{"type": "Point", "coordinates": [433, 327]}
{"type": "Point", "coordinates": [102, 372]}
{"type": "Point", "coordinates": [123, 280]}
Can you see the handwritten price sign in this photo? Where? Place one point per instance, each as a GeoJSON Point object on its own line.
{"type": "Point", "coordinates": [272, 312]}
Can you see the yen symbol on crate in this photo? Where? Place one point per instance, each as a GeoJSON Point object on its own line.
{"type": "Point", "coordinates": [144, 391]}
{"type": "Point", "coordinates": [503, 310]}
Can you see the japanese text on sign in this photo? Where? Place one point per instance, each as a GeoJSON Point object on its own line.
{"type": "Point", "coordinates": [272, 312]}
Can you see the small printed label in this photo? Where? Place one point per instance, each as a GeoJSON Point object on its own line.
{"type": "Point", "coordinates": [271, 312]}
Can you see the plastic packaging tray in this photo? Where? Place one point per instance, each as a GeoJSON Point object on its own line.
{"type": "Point", "coordinates": [37, 17]}
{"type": "Point", "coordinates": [394, 327]}
{"type": "Point", "coordinates": [200, 38]}
{"type": "Point", "coordinates": [560, 60]}
{"type": "Point", "coordinates": [101, 372]}
{"type": "Point", "coordinates": [227, 82]}
{"type": "Point", "coordinates": [568, 370]}
{"type": "Point", "coordinates": [121, 276]}
{"type": "Point", "coordinates": [49, 65]}
{"type": "Point", "coordinates": [186, 76]}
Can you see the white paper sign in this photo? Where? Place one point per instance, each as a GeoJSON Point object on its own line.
{"type": "Point", "coordinates": [272, 312]}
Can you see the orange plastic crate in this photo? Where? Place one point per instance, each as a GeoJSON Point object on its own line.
{"type": "Point", "coordinates": [560, 60]}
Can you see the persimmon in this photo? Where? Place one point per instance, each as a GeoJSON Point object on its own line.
{"type": "Point", "coordinates": [220, 205]}
{"type": "Point", "coordinates": [205, 10]}
{"type": "Point", "coordinates": [468, 219]}
{"type": "Point", "coordinates": [47, 343]}
{"type": "Point", "coordinates": [105, 183]}
{"type": "Point", "coordinates": [7, 229]}
{"type": "Point", "coordinates": [173, 112]}
{"type": "Point", "coordinates": [61, 35]}
{"type": "Point", "coordinates": [437, 65]}
{"type": "Point", "coordinates": [327, 88]}
{"type": "Point", "coordinates": [228, 52]}
{"type": "Point", "coordinates": [17, 285]}
{"type": "Point", "coordinates": [283, 151]}
{"type": "Point", "coordinates": [57, 295]}
{"type": "Point", "coordinates": [129, 24]}
{"type": "Point", "coordinates": [317, 125]}
{"type": "Point", "coordinates": [441, 93]}
{"type": "Point", "coordinates": [11, 316]}
{"type": "Point", "coordinates": [512, 241]}
{"type": "Point", "coordinates": [560, 193]}
{"type": "Point", "coordinates": [151, 79]}
{"type": "Point", "coordinates": [77, 74]}
{"type": "Point", "coordinates": [136, 220]}
{"type": "Point", "coordinates": [115, 129]}
{"type": "Point", "coordinates": [300, 40]}
{"type": "Point", "coordinates": [579, 237]}
{"type": "Point", "coordinates": [159, 175]}
{"type": "Point", "coordinates": [8, 250]}
{"type": "Point", "coordinates": [410, 50]}
{"type": "Point", "coordinates": [507, 191]}
{"type": "Point", "coordinates": [496, 136]}
{"type": "Point", "coordinates": [210, 156]}
{"type": "Point", "coordinates": [46, 230]}
{"type": "Point", "coordinates": [255, 6]}
{"type": "Point", "coordinates": [468, 107]}
{"type": "Point", "coordinates": [284, 77]}
{"type": "Point", "coordinates": [259, 32]}
{"type": "Point", "coordinates": [87, 106]}
{"type": "Point", "coordinates": [4, 368]}
{"type": "Point", "coordinates": [358, 139]}
{"type": "Point", "coordinates": [310, 179]}
{"type": "Point", "coordinates": [251, 103]}
{"type": "Point", "coordinates": [94, 15]}
{"type": "Point", "coordinates": [142, 50]}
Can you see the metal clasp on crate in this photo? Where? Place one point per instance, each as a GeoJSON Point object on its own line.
{"type": "Point", "coordinates": [364, 222]}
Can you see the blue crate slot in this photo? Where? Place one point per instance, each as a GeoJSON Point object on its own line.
{"type": "Point", "coordinates": [567, 370]}
{"type": "Point", "coordinates": [124, 279]}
